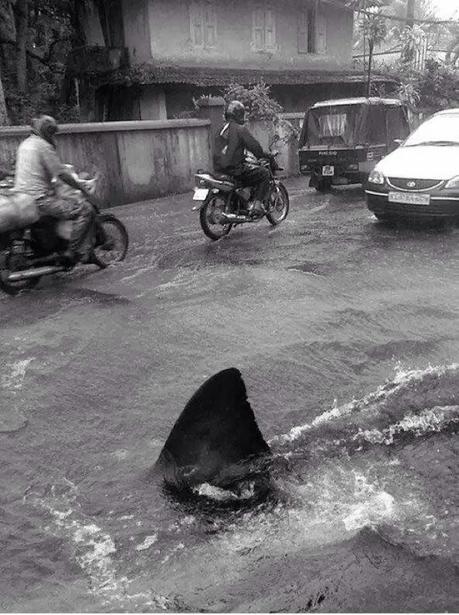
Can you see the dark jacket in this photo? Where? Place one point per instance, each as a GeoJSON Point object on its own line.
{"type": "Point", "coordinates": [230, 146]}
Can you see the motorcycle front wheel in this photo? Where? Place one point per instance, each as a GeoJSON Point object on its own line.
{"type": "Point", "coordinates": [111, 242]}
{"type": "Point", "coordinates": [279, 204]}
{"type": "Point", "coordinates": [210, 217]}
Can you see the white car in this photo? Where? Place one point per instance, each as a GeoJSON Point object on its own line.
{"type": "Point", "coordinates": [420, 179]}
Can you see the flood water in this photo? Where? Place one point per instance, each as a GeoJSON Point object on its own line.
{"type": "Point", "coordinates": [346, 334]}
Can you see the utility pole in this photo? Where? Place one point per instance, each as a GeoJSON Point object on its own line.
{"type": "Point", "coordinates": [410, 12]}
{"type": "Point", "coordinates": [364, 6]}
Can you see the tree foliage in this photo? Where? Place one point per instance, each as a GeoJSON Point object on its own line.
{"type": "Point", "coordinates": [429, 90]}
{"type": "Point", "coordinates": [36, 38]}
{"type": "Point", "coordinates": [256, 99]}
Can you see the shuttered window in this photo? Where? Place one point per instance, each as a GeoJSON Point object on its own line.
{"type": "Point", "coordinates": [321, 33]}
{"type": "Point", "coordinates": [303, 31]}
{"type": "Point", "coordinates": [307, 29]}
{"type": "Point", "coordinates": [312, 29]}
{"type": "Point", "coordinates": [263, 28]}
{"type": "Point", "coordinates": [203, 23]}
{"type": "Point", "coordinates": [270, 29]}
{"type": "Point", "coordinates": [210, 24]}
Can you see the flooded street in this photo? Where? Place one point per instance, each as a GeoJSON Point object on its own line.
{"type": "Point", "coordinates": [346, 334]}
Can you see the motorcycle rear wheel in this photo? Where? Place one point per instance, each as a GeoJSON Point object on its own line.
{"type": "Point", "coordinates": [112, 241]}
{"type": "Point", "coordinates": [209, 216]}
{"type": "Point", "coordinates": [279, 209]}
{"type": "Point", "coordinates": [14, 288]}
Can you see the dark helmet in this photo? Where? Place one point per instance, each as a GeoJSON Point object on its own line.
{"type": "Point", "coordinates": [235, 110]}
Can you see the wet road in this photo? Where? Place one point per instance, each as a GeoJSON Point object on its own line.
{"type": "Point", "coordinates": [325, 309]}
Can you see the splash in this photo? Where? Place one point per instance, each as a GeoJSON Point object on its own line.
{"type": "Point", "coordinates": [225, 495]}
{"type": "Point", "coordinates": [429, 421]}
{"type": "Point", "coordinates": [14, 380]}
{"type": "Point", "coordinates": [404, 379]}
{"type": "Point", "coordinates": [377, 509]}
{"type": "Point", "coordinates": [93, 549]}
{"type": "Point", "coordinates": [147, 543]}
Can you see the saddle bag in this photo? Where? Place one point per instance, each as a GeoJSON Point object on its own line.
{"type": "Point", "coordinates": [17, 210]}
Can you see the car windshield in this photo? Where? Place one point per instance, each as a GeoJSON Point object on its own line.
{"type": "Point", "coordinates": [440, 130]}
{"type": "Point", "coordinates": [334, 125]}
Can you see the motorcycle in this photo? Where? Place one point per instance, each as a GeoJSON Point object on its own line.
{"type": "Point", "coordinates": [223, 204]}
{"type": "Point", "coordinates": [27, 254]}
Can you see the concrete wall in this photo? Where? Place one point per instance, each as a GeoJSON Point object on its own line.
{"type": "Point", "coordinates": [137, 160]}
{"type": "Point", "coordinates": [159, 30]}
{"type": "Point", "coordinates": [147, 159]}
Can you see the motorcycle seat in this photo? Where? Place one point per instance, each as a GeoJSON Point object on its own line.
{"type": "Point", "coordinates": [222, 176]}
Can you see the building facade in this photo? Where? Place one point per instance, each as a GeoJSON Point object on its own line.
{"type": "Point", "coordinates": [180, 49]}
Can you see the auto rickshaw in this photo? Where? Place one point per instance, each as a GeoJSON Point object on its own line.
{"type": "Point", "coordinates": [343, 139]}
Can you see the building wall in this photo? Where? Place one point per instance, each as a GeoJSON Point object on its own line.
{"type": "Point", "coordinates": [161, 31]}
{"type": "Point", "coordinates": [137, 30]}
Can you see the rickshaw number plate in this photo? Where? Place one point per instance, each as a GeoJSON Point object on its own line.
{"type": "Point", "coordinates": [406, 197]}
{"type": "Point", "coordinates": [200, 194]}
{"type": "Point", "coordinates": [328, 170]}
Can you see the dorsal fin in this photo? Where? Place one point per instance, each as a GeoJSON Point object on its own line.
{"type": "Point", "coordinates": [216, 439]}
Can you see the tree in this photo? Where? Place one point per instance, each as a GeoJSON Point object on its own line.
{"type": "Point", "coordinates": [256, 99]}
{"type": "Point", "coordinates": [374, 29]}
{"type": "Point", "coordinates": [36, 40]}
{"type": "Point", "coordinates": [21, 10]}
{"type": "Point", "coordinates": [413, 29]}
{"type": "Point", "coordinates": [452, 54]}
{"type": "Point", "coordinates": [3, 110]}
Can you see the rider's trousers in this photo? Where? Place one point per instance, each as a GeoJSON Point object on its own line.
{"type": "Point", "coordinates": [79, 211]}
{"type": "Point", "coordinates": [255, 176]}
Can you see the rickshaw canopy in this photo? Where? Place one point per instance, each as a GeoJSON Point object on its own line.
{"type": "Point", "coordinates": [350, 122]}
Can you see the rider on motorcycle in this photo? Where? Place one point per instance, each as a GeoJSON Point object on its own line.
{"type": "Point", "coordinates": [37, 167]}
{"type": "Point", "coordinates": [230, 146]}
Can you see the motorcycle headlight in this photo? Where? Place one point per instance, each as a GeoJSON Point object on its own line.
{"type": "Point", "coordinates": [453, 183]}
{"type": "Point", "coordinates": [376, 177]}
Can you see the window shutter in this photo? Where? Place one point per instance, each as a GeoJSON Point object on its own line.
{"type": "Point", "coordinates": [303, 30]}
{"type": "Point", "coordinates": [321, 33]}
{"type": "Point", "coordinates": [196, 21]}
{"type": "Point", "coordinates": [210, 22]}
{"type": "Point", "coordinates": [258, 28]}
{"type": "Point", "coordinates": [270, 29]}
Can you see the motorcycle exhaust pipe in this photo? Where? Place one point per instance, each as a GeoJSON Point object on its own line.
{"type": "Point", "coordinates": [233, 218]}
{"type": "Point", "coordinates": [17, 276]}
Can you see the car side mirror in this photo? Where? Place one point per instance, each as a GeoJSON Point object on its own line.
{"type": "Point", "coordinates": [398, 141]}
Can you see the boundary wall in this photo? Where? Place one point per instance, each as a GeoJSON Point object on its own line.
{"type": "Point", "coordinates": [141, 160]}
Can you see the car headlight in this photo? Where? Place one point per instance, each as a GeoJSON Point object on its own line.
{"type": "Point", "coordinates": [453, 183]}
{"type": "Point", "coordinates": [376, 177]}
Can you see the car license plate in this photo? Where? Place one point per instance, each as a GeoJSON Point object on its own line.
{"type": "Point", "coordinates": [328, 170]}
{"type": "Point", "coordinates": [200, 194]}
{"type": "Point", "coordinates": [406, 197]}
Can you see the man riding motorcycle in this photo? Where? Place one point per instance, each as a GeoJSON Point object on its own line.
{"type": "Point", "coordinates": [37, 168]}
{"type": "Point", "coordinates": [229, 155]}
